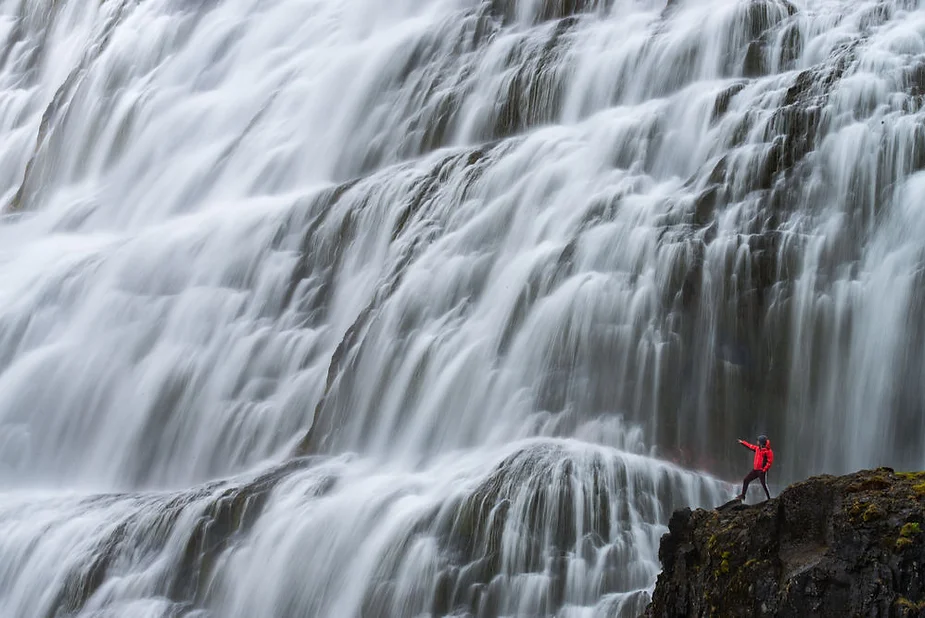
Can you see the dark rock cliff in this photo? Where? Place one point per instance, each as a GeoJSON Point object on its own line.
{"type": "Point", "coordinates": [829, 546]}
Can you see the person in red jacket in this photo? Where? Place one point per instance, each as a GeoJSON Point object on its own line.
{"type": "Point", "coordinates": [764, 457]}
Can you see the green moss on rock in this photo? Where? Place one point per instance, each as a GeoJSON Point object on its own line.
{"type": "Point", "coordinates": [872, 513]}
{"type": "Point", "coordinates": [828, 546]}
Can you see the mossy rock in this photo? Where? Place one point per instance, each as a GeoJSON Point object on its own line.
{"type": "Point", "coordinates": [910, 608]}
{"type": "Point", "coordinates": [873, 513]}
{"type": "Point", "coordinates": [865, 511]}
{"type": "Point", "coordinates": [907, 533]}
{"type": "Point", "coordinates": [876, 483]}
{"type": "Point", "coordinates": [724, 564]}
{"type": "Point", "coordinates": [819, 549]}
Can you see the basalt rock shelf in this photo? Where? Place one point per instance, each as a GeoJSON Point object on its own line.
{"type": "Point", "coordinates": [852, 545]}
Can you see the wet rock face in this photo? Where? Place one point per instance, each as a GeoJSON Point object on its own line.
{"type": "Point", "coordinates": [829, 546]}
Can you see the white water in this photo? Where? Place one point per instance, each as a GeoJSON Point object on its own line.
{"type": "Point", "coordinates": [488, 264]}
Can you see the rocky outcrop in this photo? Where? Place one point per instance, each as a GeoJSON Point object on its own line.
{"type": "Point", "coordinates": [828, 546]}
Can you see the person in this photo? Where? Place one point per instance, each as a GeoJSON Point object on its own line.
{"type": "Point", "coordinates": [764, 457]}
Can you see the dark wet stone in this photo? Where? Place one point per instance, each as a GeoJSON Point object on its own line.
{"type": "Point", "coordinates": [754, 65]}
{"type": "Point", "coordinates": [547, 10]}
{"type": "Point", "coordinates": [725, 98]}
{"type": "Point", "coordinates": [828, 546]}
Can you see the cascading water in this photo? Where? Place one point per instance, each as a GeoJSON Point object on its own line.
{"type": "Point", "coordinates": [366, 308]}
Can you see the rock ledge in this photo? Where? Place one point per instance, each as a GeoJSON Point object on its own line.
{"type": "Point", "coordinates": [852, 545]}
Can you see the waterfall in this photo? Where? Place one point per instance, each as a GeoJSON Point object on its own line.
{"type": "Point", "coordinates": [438, 307]}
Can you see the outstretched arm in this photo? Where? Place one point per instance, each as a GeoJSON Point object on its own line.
{"type": "Point", "coordinates": [747, 445]}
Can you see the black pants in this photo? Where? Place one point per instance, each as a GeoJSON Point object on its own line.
{"type": "Point", "coordinates": [751, 476]}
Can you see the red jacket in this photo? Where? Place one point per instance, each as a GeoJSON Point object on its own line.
{"type": "Point", "coordinates": [764, 457]}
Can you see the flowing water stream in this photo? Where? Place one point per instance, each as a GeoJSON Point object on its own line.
{"type": "Point", "coordinates": [349, 308]}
